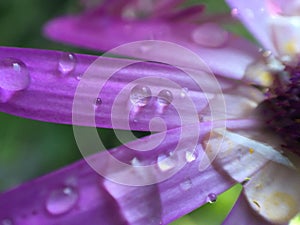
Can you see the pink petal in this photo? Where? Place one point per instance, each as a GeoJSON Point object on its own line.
{"type": "Point", "coordinates": [255, 15]}
{"type": "Point", "coordinates": [47, 94]}
{"type": "Point", "coordinates": [100, 201]}
{"type": "Point", "coordinates": [104, 33]}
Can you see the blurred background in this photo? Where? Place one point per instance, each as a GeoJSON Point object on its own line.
{"type": "Point", "coordinates": [29, 149]}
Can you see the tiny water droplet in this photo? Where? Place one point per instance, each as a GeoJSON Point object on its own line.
{"type": "Point", "coordinates": [135, 162]}
{"type": "Point", "coordinates": [140, 95]}
{"type": "Point", "coordinates": [67, 63]}
{"type": "Point", "coordinates": [79, 76]}
{"type": "Point", "coordinates": [212, 198]}
{"type": "Point", "coordinates": [190, 156]}
{"type": "Point", "coordinates": [7, 222]}
{"type": "Point", "coordinates": [186, 185]}
{"type": "Point", "coordinates": [184, 92]}
{"type": "Point", "coordinates": [210, 35]}
{"type": "Point", "coordinates": [165, 97]}
{"type": "Point", "coordinates": [61, 200]}
{"type": "Point", "coordinates": [234, 12]}
{"type": "Point", "coordinates": [165, 163]}
{"type": "Point", "coordinates": [98, 102]}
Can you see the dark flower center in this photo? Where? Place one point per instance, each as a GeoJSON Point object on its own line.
{"type": "Point", "coordinates": [281, 109]}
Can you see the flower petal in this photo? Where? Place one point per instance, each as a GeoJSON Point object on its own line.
{"type": "Point", "coordinates": [99, 200]}
{"type": "Point", "coordinates": [47, 92]}
{"type": "Point", "coordinates": [255, 15]}
{"type": "Point", "coordinates": [243, 213]}
{"type": "Point", "coordinates": [274, 192]}
{"type": "Point", "coordinates": [104, 33]}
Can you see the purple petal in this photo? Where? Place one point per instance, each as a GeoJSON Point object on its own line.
{"type": "Point", "coordinates": [104, 33]}
{"type": "Point", "coordinates": [48, 90]}
{"type": "Point", "coordinates": [243, 214]}
{"type": "Point", "coordinates": [255, 15]}
{"type": "Point", "coordinates": [77, 194]}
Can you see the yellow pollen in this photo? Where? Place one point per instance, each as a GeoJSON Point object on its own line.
{"type": "Point", "coordinates": [251, 150]}
{"type": "Point", "coordinates": [290, 47]}
{"type": "Point", "coordinates": [266, 78]}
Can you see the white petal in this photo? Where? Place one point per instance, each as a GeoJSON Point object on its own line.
{"type": "Point", "coordinates": [274, 192]}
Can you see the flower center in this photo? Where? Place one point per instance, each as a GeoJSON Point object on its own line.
{"type": "Point", "coordinates": [281, 109]}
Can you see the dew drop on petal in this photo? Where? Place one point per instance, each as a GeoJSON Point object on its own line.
{"type": "Point", "coordinates": [7, 222]}
{"type": "Point", "coordinates": [184, 92]}
{"type": "Point", "coordinates": [210, 35]}
{"type": "Point", "coordinates": [14, 75]}
{"type": "Point", "coordinates": [186, 185]}
{"type": "Point", "coordinates": [190, 156]}
{"type": "Point", "coordinates": [212, 198]}
{"type": "Point", "coordinates": [67, 63]}
{"type": "Point", "coordinates": [165, 97]}
{"type": "Point", "coordinates": [165, 163]}
{"type": "Point", "coordinates": [140, 95]}
{"type": "Point", "coordinates": [234, 12]}
{"type": "Point", "coordinates": [61, 200]}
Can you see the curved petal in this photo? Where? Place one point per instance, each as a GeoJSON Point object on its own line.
{"type": "Point", "coordinates": [243, 214]}
{"type": "Point", "coordinates": [104, 33]}
{"type": "Point", "coordinates": [274, 192]}
{"type": "Point", "coordinates": [78, 193]}
{"type": "Point", "coordinates": [255, 15]}
{"type": "Point", "coordinates": [51, 79]}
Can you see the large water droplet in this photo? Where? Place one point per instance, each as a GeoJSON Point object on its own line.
{"type": "Point", "coordinates": [61, 200]}
{"type": "Point", "coordinates": [210, 35]}
{"type": "Point", "coordinates": [14, 75]}
{"type": "Point", "coordinates": [186, 185]}
{"type": "Point", "coordinates": [212, 198]}
{"type": "Point", "coordinates": [7, 222]}
{"type": "Point", "coordinates": [165, 97]}
{"type": "Point", "coordinates": [140, 95]}
{"type": "Point", "coordinates": [67, 63]}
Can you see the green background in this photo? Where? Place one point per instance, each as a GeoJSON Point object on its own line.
{"type": "Point", "coordinates": [29, 149]}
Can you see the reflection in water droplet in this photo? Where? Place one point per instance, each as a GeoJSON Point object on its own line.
{"type": "Point", "coordinates": [212, 198]}
{"type": "Point", "coordinates": [165, 163]}
{"type": "Point", "coordinates": [79, 76]}
{"type": "Point", "coordinates": [14, 76]}
{"type": "Point", "coordinates": [210, 35]}
{"type": "Point", "coordinates": [61, 200]}
{"type": "Point", "coordinates": [190, 156]}
{"type": "Point", "coordinates": [186, 185]}
{"type": "Point", "coordinates": [140, 95]}
{"type": "Point", "coordinates": [135, 162]}
{"type": "Point", "coordinates": [6, 222]}
{"type": "Point", "coordinates": [165, 97]}
{"type": "Point", "coordinates": [67, 63]}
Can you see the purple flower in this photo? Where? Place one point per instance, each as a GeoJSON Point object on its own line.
{"type": "Point", "coordinates": [49, 86]}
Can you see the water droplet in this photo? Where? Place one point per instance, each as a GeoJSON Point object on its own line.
{"type": "Point", "coordinates": [61, 200]}
{"type": "Point", "coordinates": [98, 102]}
{"type": "Point", "coordinates": [212, 198]}
{"type": "Point", "coordinates": [186, 185]}
{"type": "Point", "coordinates": [67, 63]}
{"type": "Point", "coordinates": [79, 76]}
{"type": "Point", "coordinates": [165, 97]}
{"type": "Point", "coordinates": [210, 35]}
{"type": "Point", "coordinates": [140, 95]}
{"type": "Point", "coordinates": [14, 75]}
{"type": "Point", "coordinates": [135, 162]}
{"type": "Point", "coordinates": [190, 156]}
{"type": "Point", "coordinates": [184, 92]}
{"type": "Point", "coordinates": [7, 222]}
{"type": "Point", "coordinates": [165, 163]}
{"type": "Point", "coordinates": [234, 12]}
